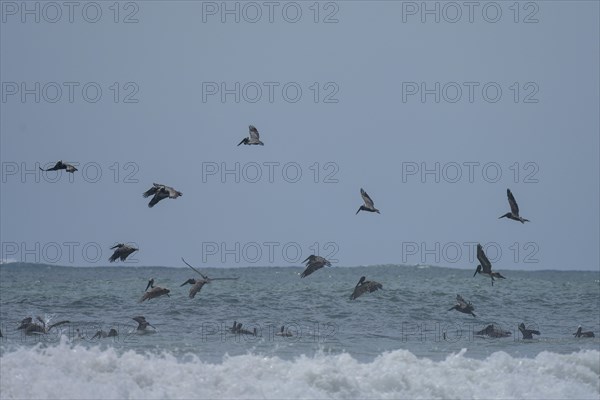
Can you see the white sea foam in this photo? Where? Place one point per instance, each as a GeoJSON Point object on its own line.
{"type": "Point", "coordinates": [70, 371]}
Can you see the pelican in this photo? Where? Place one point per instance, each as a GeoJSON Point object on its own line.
{"type": "Point", "coordinates": [527, 333]}
{"type": "Point", "coordinates": [514, 209]}
{"type": "Point", "coordinates": [233, 329]}
{"type": "Point", "coordinates": [253, 138]}
{"type": "Point", "coordinates": [463, 306]}
{"type": "Point", "coordinates": [197, 284]}
{"type": "Point", "coordinates": [161, 192]}
{"type": "Point", "coordinates": [61, 165]}
{"type": "Point", "coordinates": [363, 287]}
{"type": "Point", "coordinates": [486, 266]}
{"type": "Point", "coordinates": [493, 332]}
{"type": "Point", "coordinates": [239, 330]}
{"type": "Point", "coordinates": [31, 327]}
{"type": "Point", "coordinates": [314, 263]}
{"type": "Point", "coordinates": [154, 292]}
{"type": "Point", "coordinates": [284, 333]}
{"type": "Point", "coordinates": [583, 334]}
{"type": "Point", "coordinates": [142, 323]}
{"type": "Point", "coordinates": [122, 251]}
{"type": "Point", "coordinates": [369, 205]}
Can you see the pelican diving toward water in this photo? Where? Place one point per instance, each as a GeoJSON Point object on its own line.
{"type": "Point", "coordinates": [579, 333]}
{"type": "Point", "coordinates": [527, 333]}
{"type": "Point", "coordinates": [486, 266]}
{"type": "Point", "coordinates": [253, 138]}
{"type": "Point", "coordinates": [462, 306]}
{"type": "Point", "coordinates": [142, 323]}
{"type": "Point", "coordinates": [363, 287]}
{"type": "Point", "coordinates": [61, 165]}
{"type": "Point", "coordinates": [161, 192]}
{"type": "Point", "coordinates": [369, 205]}
{"type": "Point", "coordinates": [156, 291]}
{"type": "Point", "coordinates": [122, 251]}
{"type": "Point", "coordinates": [197, 284]}
{"type": "Point", "coordinates": [314, 263]}
{"type": "Point", "coordinates": [514, 209]}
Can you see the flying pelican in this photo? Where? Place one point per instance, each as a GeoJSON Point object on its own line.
{"type": "Point", "coordinates": [197, 284]}
{"type": "Point", "coordinates": [61, 165]}
{"type": "Point", "coordinates": [154, 292]}
{"type": "Point", "coordinates": [583, 334]}
{"type": "Point", "coordinates": [122, 251]}
{"type": "Point", "coordinates": [363, 287]}
{"type": "Point", "coordinates": [314, 263]}
{"type": "Point", "coordinates": [142, 323]}
{"type": "Point", "coordinates": [514, 209]}
{"type": "Point", "coordinates": [161, 192]}
{"type": "Point", "coordinates": [486, 266]}
{"type": "Point", "coordinates": [253, 138]}
{"type": "Point", "coordinates": [493, 331]}
{"type": "Point", "coordinates": [527, 333]}
{"type": "Point", "coordinates": [31, 327]}
{"type": "Point", "coordinates": [463, 306]}
{"type": "Point", "coordinates": [369, 205]}
{"type": "Point", "coordinates": [284, 333]}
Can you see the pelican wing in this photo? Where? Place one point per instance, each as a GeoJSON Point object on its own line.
{"type": "Point", "coordinates": [514, 208]}
{"type": "Point", "coordinates": [198, 272]}
{"type": "Point", "coordinates": [254, 136]}
{"type": "Point", "coordinates": [155, 187]}
{"type": "Point", "coordinates": [368, 202]}
{"type": "Point", "coordinates": [485, 263]}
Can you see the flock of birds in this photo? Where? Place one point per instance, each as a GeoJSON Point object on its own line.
{"type": "Point", "coordinates": [312, 263]}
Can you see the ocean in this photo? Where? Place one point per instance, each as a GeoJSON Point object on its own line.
{"type": "Point", "coordinates": [398, 342]}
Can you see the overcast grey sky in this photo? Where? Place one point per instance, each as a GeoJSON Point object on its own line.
{"type": "Point", "coordinates": [434, 119]}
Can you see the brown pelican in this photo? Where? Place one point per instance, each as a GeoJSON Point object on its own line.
{"type": "Point", "coordinates": [161, 192]}
{"type": "Point", "coordinates": [493, 332]}
{"type": "Point", "coordinates": [486, 266]}
{"type": "Point", "coordinates": [30, 327]}
{"type": "Point", "coordinates": [583, 334]}
{"type": "Point", "coordinates": [61, 165]}
{"type": "Point", "coordinates": [284, 333]}
{"type": "Point", "coordinates": [527, 333]}
{"type": "Point", "coordinates": [142, 323]}
{"type": "Point", "coordinates": [122, 251]}
{"type": "Point", "coordinates": [514, 209]}
{"type": "Point", "coordinates": [369, 205]}
{"type": "Point", "coordinates": [238, 329]}
{"type": "Point", "coordinates": [314, 263]}
{"type": "Point", "coordinates": [154, 292]}
{"type": "Point", "coordinates": [363, 287]}
{"type": "Point", "coordinates": [253, 138]}
{"type": "Point", "coordinates": [197, 284]}
{"type": "Point", "coordinates": [463, 306]}
{"type": "Point", "coordinates": [101, 334]}
{"type": "Point", "coordinates": [233, 329]}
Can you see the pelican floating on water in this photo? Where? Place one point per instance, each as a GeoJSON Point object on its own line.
{"type": "Point", "coordinates": [283, 332]}
{"type": "Point", "coordinates": [486, 266]}
{"type": "Point", "coordinates": [579, 333]}
{"type": "Point", "coordinates": [314, 263]}
{"type": "Point", "coordinates": [101, 334]}
{"type": "Point", "coordinates": [161, 192]}
{"type": "Point", "coordinates": [122, 251]}
{"type": "Point", "coordinates": [462, 306]}
{"type": "Point", "coordinates": [142, 323]}
{"type": "Point", "coordinates": [527, 333]}
{"type": "Point", "coordinates": [514, 209]}
{"type": "Point", "coordinates": [493, 332]}
{"type": "Point", "coordinates": [238, 329]}
{"type": "Point", "coordinates": [363, 287]}
{"type": "Point", "coordinates": [197, 284]}
{"type": "Point", "coordinates": [61, 165]}
{"type": "Point", "coordinates": [369, 205]}
{"type": "Point", "coordinates": [253, 138]}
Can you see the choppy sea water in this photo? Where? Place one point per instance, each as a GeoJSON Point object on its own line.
{"type": "Point", "coordinates": [399, 342]}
